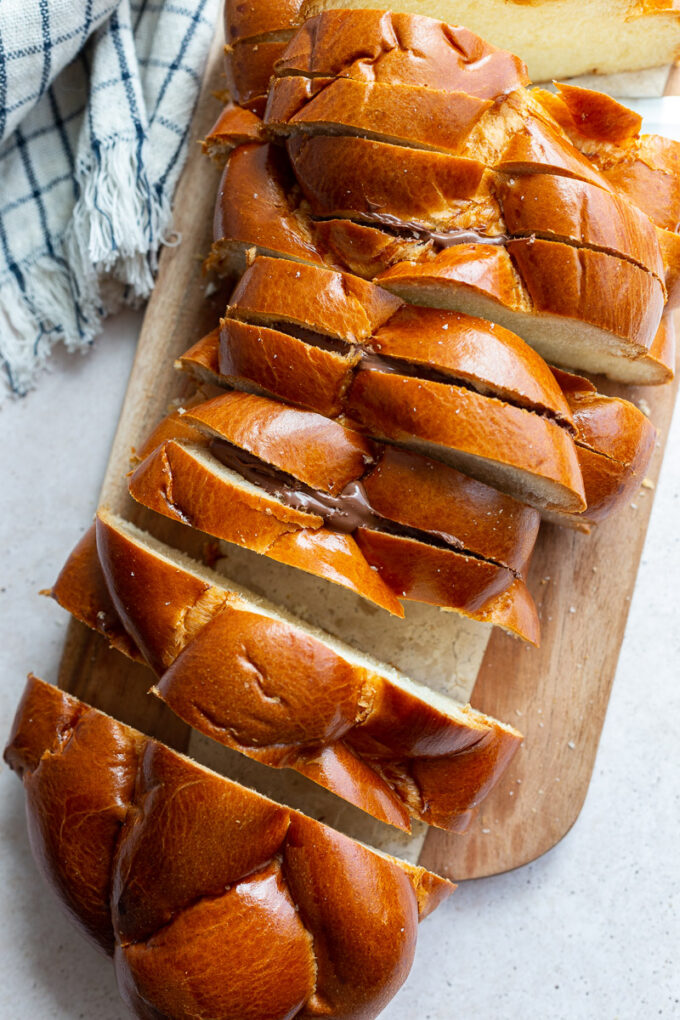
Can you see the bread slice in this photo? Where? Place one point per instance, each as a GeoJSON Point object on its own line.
{"type": "Point", "coordinates": [387, 47]}
{"type": "Point", "coordinates": [188, 484]}
{"type": "Point", "coordinates": [422, 341]}
{"type": "Point", "coordinates": [193, 882]}
{"type": "Point", "coordinates": [248, 69]}
{"type": "Point", "coordinates": [254, 210]}
{"type": "Point", "coordinates": [318, 706]}
{"type": "Point", "coordinates": [399, 114]}
{"type": "Point", "coordinates": [521, 453]}
{"type": "Point", "coordinates": [235, 126]}
{"type": "Point", "coordinates": [515, 134]}
{"type": "Point", "coordinates": [319, 465]}
{"type": "Point", "coordinates": [395, 485]}
{"type": "Point", "coordinates": [330, 303]}
{"type": "Point", "coordinates": [615, 441]}
{"type": "Point", "coordinates": [326, 552]}
{"type": "Point", "coordinates": [556, 297]}
{"type": "Point", "coordinates": [602, 36]}
{"type": "Point", "coordinates": [258, 208]}
{"type": "Point", "coordinates": [344, 176]}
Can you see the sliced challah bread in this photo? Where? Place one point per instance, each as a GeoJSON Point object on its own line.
{"type": "Point", "coordinates": [607, 485]}
{"type": "Point", "coordinates": [284, 693]}
{"type": "Point", "coordinates": [445, 401]}
{"type": "Point", "coordinates": [556, 297]}
{"type": "Point", "coordinates": [556, 41]}
{"type": "Point", "coordinates": [308, 492]}
{"type": "Point", "coordinates": [204, 892]}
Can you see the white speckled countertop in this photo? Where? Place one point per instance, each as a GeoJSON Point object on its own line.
{"type": "Point", "coordinates": [589, 931]}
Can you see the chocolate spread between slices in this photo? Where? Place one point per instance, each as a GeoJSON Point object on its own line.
{"type": "Point", "coordinates": [440, 238]}
{"type": "Point", "coordinates": [345, 512]}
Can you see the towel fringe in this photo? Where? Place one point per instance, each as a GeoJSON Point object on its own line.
{"type": "Point", "coordinates": [108, 256]}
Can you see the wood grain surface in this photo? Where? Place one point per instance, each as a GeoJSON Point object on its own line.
{"type": "Point", "coordinates": [556, 695]}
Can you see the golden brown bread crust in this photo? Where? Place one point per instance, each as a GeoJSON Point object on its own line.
{"type": "Point", "coordinates": [339, 722]}
{"type": "Point", "coordinates": [398, 485]}
{"type": "Point", "coordinates": [321, 453]}
{"type": "Point", "coordinates": [550, 206]}
{"type": "Point", "coordinates": [281, 365]}
{"type": "Point", "coordinates": [411, 114]}
{"type": "Point", "coordinates": [499, 443]}
{"type": "Point", "coordinates": [186, 862]}
{"type": "Point", "coordinates": [253, 209]}
{"type": "Point", "coordinates": [345, 176]}
{"type": "Point", "coordinates": [235, 126]}
{"type": "Point", "coordinates": [335, 304]}
{"type": "Point", "coordinates": [615, 443]}
{"type": "Point", "coordinates": [491, 359]}
{"type": "Point", "coordinates": [258, 206]}
{"type": "Point", "coordinates": [248, 19]}
{"type": "Point", "coordinates": [401, 48]}
{"type": "Point", "coordinates": [248, 69]}
{"type": "Point", "coordinates": [81, 589]}
{"type": "Point", "coordinates": [176, 482]}
{"type": "Point", "coordinates": [545, 282]}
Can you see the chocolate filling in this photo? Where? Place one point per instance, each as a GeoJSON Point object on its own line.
{"type": "Point", "coordinates": [346, 512]}
{"type": "Point", "coordinates": [391, 224]}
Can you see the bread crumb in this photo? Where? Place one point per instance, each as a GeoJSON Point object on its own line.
{"type": "Point", "coordinates": [644, 406]}
{"type": "Point", "coordinates": [647, 483]}
{"type": "Point", "coordinates": [572, 609]}
{"type": "Point", "coordinates": [486, 831]}
{"type": "Point", "coordinates": [571, 745]}
{"type": "Point", "coordinates": [633, 506]}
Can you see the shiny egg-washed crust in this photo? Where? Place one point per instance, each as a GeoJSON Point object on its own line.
{"type": "Point", "coordinates": [235, 126]}
{"type": "Point", "coordinates": [188, 485]}
{"type": "Point", "coordinates": [645, 169]}
{"type": "Point", "coordinates": [220, 503]}
{"type": "Point", "coordinates": [206, 893]}
{"type": "Point", "coordinates": [460, 347]}
{"type": "Point", "coordinates": [515, 135]}
{"type": "Point", "coordinates": [605, 485]}
{"type": "Point", "coordinates": [542, 471]}
{"type": "Point", "coordinates": [398, 485]}
{"type": "Point", "coordinates": [401, 48]}
{"type": "Point", "coordinates": [556, 297]}
{"type": "Point", "coordinates": [248, 70]}
{"type": "Point", "coordinates": [615, 441]}
{"type": "Point", "coordinates": [335, 304]}
{"type": "Point", "coordinates": [292, 697]}
{"type": "Point", "coordinates": [258, 208]}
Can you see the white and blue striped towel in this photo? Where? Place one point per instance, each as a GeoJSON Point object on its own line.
{"type": "Point", "coordinates": [95, 102]}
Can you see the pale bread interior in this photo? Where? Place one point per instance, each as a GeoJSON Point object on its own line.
{"type": "Point", "coordinates": [533, 489]}
{"type": "Point", "coordinates": [571, 343]}
{"type": "Point", "coordinates": [556, 38]}
{"type": "Point", "coordinates": [255, 603]}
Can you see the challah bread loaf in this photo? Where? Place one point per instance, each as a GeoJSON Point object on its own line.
{"type": "Point", "coordinates": [555, 40]}
{"type": "Point", "coordinates": [258, 206]}
{"type": "Point", "coordinates": [470, 430]}
{"type": "Point", "coordinates": [556, 297]}
{"type": "Point", "coordinates": [290, 696]}
{"type": "Point", "coordinates": [455, 556]}
{"type": "Point", "coordinates": [387, 47]}
{"type": "Point", "coordinates": [204, 892]}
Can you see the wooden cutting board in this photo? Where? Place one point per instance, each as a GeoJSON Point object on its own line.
{"type": "Point", "coordinates": [556, 695]}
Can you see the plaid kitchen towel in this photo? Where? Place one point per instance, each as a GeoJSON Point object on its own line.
{"type": "Point", "coordinates": [95, 102]}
